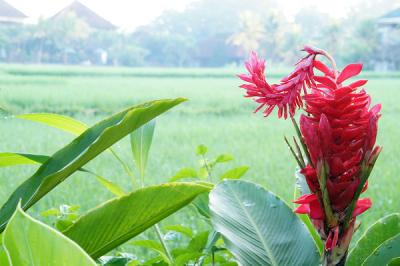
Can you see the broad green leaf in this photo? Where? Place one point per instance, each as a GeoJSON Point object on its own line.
{"type": "Point", "coordinates": [120, 219]}
{"type": "Point", "coordinates": [141, 140]}
{"type": "Point", "coordinates": [180, 229]}
{"type": "Point", "coordinates": [382, 230]}
{"type": "Point", "coordinates": [11, 159]}
{"type": "Point", "coordinates": [80, 151]}
{"type": "Point", "coordinates": [223, 158]}
{"type": "Point", "coordinates": [185, 258]}
{"type": "Point", "coordinates": [153, 245]}
{"type": "Point", "coordinates": [62, 122]}
{"type": "Point", "coordinates": [259, 228]}
{"type": "Point", "coordinates": [184, 173]}
{"type": "Point", "coordinates": [30, 242]}
{"type": "Point", "coordinates": [235, 173]}
{"type": "Point", "coordinates": [70, 125]}
{"type": "Point", "coordinates": [395, 262]}
{"type": "Point", "coordinates": [300, 189]}
{"type": "Point", "coordinates": [201, 150]}
{"type": "Point", "coordinates": [3, 257]}
{"type": "Point", "coordinates": [198, 242]}
{"type": "Point", "coordinates": [385, 253]}
{"type": "Point", "coordinates": [109, 185]}
{"type": "Point", "coordinates": [201, 204]}
{"type": "Point", "coordinates": [211, 242]}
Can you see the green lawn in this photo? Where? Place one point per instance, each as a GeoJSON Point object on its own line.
{"type": "Point", "coordinates": [216, 115]}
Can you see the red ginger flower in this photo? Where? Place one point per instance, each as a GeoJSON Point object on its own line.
{"type": "Point", "coordinates": [339, 132]}
{"type": "Point", "coordinates": [286, 95]}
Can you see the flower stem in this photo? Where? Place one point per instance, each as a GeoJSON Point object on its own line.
{"type": "Point", "coordinates": [332, 221]}
{"type": "Point", "coordinates": [296, 127]}
{"type": "Point", "coordinates": [164, 245]}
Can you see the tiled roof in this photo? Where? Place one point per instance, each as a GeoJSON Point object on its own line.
{"type": "Point", "coordinates": [86, 14]}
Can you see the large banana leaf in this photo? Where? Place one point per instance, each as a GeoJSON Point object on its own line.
{"type": "Point", "coordinates": [30, 242]}
{"type": "Point", "coordinates": [382, 230]}
{"type": "Point", "coordinates": [258, 227]}
{"type": "Point", "coordinates": [120, 219]}
{"type": "Point", "coordinates": [80, 151]}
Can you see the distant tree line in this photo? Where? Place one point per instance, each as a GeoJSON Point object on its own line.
{"type": "Point", "coordinates": [208, 33]}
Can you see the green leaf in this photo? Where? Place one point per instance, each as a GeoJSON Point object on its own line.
{"type": "Point", "coordinates": [201, 204]}
{"type": "Point", "coordinates": [152, 245]}
{"type": "Point", "coordinates": [120, 219]}
{"type": "Point", "coordinates": [62, 122]}
{"type": "Point", "coordinates": [110, 186]}
{"type": "Point", "coordinates": [395, 262]}
{"type": "Point", "coordinates": [198, 242]}
{"type": "Point", "coordinates": [80, 151]}
{"type": "Point", "coordinates": [223, 158]}
{"type": "Point", "coordinates": [30, 242]}
{"type": "Point", "coordinates": [180, 229]}
{"type": "Point", "coordinates": [385, 253]}
{"type": "Point", "coordinates": [235, 173]}
{"type": "Point", "coordinates": [185, 258]}
{"type": "Point", "coordinates": [382, 230]}
{"type": "Point", "coordinates": [201, 150]}
{"type": "Point", "coordinates": [259, 228]}
{"type": "Point", "coordinates": [3, 257]}
{"type": "Point", "coordinates": [11, 159]}
{"type": "Point", "coordinates": [184, 173]}
{"type": "Point", "coordinates": [141, 140]}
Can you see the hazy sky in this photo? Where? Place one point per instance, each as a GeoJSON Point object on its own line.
{"type": "Point", "coordinates": [129, 14]}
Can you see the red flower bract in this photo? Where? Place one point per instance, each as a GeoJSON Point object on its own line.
{"type": "Point", "coordinates": [286, 95]}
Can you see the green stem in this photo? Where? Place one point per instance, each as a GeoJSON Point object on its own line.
{"type": "Point", "coordinates": [301, 165]}
{"type": "Point", "coordinates": [332, 221]}
{"type": "Point", "coordinates": [296, 127]}
{"type": "Point", "coordinates": [299, 153]}
{"type": "Point", "coordinates": [207, 168]}
{"type": "Point", "coordinates": [365, 173]}
{"type": "Point", "coordinates": [164, 245]}
{"type": "Point", "coordinates": [125, 166]}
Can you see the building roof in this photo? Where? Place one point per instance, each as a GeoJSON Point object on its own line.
{"type": "Point", "coordinates": [391, 18]}
{"type": "Point", "coordinates": [392, 14]}
{"type": "Point", "coordinates": [8, 11]}
{"type": "Point", "coordinates": [86, 14]}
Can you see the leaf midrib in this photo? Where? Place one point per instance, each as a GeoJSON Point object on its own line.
{"type": "Point", "coordinates": [267, 248]}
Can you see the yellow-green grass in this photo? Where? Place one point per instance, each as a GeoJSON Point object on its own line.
{"type": "Point", "coordinates": [217, 115]}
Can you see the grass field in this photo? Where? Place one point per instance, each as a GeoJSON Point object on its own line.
{"type": "Point", "coordinates": [216, 115]}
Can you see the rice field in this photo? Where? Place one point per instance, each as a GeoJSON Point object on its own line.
{"type": "Point", "coordinates": [216, 115]}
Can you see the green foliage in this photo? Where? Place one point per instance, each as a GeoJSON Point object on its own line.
{"type": "Point", "coordinates": [141, 140]}
{"type": "Point", "coordinates": [65, 216]}
{"type": "Point", "coordinates": [30, 242]}
{"type": "Point", "coordinates": [62, 122]}
{"type": "Point", "coordinates": [84, 148]}
{"type": "Point", "coordinates": [258, 227]}
{"type": "Point", "coordinates": [235, 173]}
{"type": "Point", "coordinates": [385, 253]}
{"type": "Point", "coordinates": [118, 220]}
{"type": "Point", "coordinates": [381, 231]}
{"type": "Point", "coordinates": [12, 159]}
